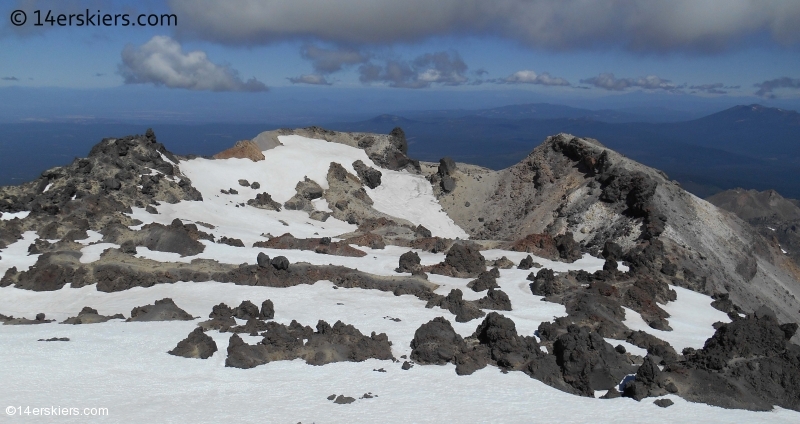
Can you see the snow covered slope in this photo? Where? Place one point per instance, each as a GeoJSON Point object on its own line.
{"type": "Point", "coordinates": [544, 332]}
{"type": "Point", "coordinates": [400, 194]}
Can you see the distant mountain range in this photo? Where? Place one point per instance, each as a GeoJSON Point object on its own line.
{"type": "Point", "coordinates": [745, 146]}
{"type": "Point", "coordinates": [555, 111]}
{"type": "Point", "coordinates": [750, 146]}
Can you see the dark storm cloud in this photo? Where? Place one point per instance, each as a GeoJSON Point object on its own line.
{"type": "Point", "coordinates": [715, 88]}
{"type": "Point", "coordinates": [608, 81]}
{"type": "Point", "coordinates": [767, 88]}
{"type": "Point", "coordinates": [327, 61]}
{"type": "Point", "coordinates": [634, 25]}
{"type": "Point", "coordinates": [445, 68]}
{"type": "Point", "coordinates": [313, 79]}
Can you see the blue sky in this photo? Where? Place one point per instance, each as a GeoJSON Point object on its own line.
{"type": "Point", "coordinates": [614, 53]}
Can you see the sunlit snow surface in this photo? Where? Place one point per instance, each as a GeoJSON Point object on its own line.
{"type": "Point", "coordinates": [124, 366]}
{"type": "Point", "coordinates": [400, 194]}
{"type": "Point", "coordinates": [691, 319]}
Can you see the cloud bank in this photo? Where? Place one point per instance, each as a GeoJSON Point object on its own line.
{"type": "Point", "coordinates": [634, 25]}
{"type": "Point", "coordinates": [531, 77]}
{"type": "Point", "coordinates": [767, 88]}
{"type": "Point", "coordinates": [608, 81]}
{"type": "Point", "coordinates": [313, 79]}
{"type": "Point", "coordinates": [444, 68]}
{"type": "Point", "coordinates": [161, 61]}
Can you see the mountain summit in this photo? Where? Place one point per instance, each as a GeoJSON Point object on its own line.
{"type": "Point", "coordinates": [577, 267]}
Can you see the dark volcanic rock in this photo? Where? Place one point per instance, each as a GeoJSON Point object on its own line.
{"type": "Point", "coordinates": [306, 191]}
{"type": "Point", "coordinates": [262, 260]}
{"type": "Point", "coordinates": [328, 344]}
{"type": "Point", "coordinates": [264, 201]}
{"type": "Point", "coordinates": [448, 184]}
{"type": "Point", "coordinates": [486, 280]}
{"type": "Point", "coordinates": [447, 166]}
{"type": "Point", "coordinates": [503, 263]}
{"type": "Point", "coordinates": [748, 363]}
{"type": "Point", "coordinates": [231, 241]}
{"type": "Point", "coordinates": [409, 262]}
{"type": "Point", "coordinates": [648, 381]}
{"type": "Point", "coordinates": [267, 310]}
{"type": "Point", "coordinates": [175, 238]}
{"type": "Point", "coordinates": [219, 324]}
{"type": "Point", "coordinates": [89, 315]}
{"type": "Point", "coordinates": [495, 341]}
{"type": "Point", "coordinates": [246, 310]}
{"type": "Point", "coordinates": [370, 176]}
{"type": "Point", "coordinates": [664, 403]}
{"type": "Point", "coordinates": [588, 362]}
{"type": "Point", "coordinates": [40, 319]}
{"type": "Point", "coordinates": [526, 263]}
{"type": "Point", "coordinates": [568, 249]}
{"type": "Point", "coordinates": [280, 263]}
{"type": "Point", "coordinates": [462, 260]}
{"type": "Point", "coordinates": [495, 299]}
{"type": "Point", "coordinates": [545, 283]}
{"type": "Point", "coordinates": [322, 245]}
{"type": "Point", "coordinates": [343, 400]}
{"type": "Point", "coordinates": [436, 342]}
{"type": "Point", "coordinates": [163, 310]}
{"type": "Point", "coordinates": [196, 345]}
{"type": "Point", "coordinates": [221, 311]}
{"type": "Point", "coordinates": [454, 302]}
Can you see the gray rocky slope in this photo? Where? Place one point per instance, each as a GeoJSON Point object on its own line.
{"type": "Point", "coordinates": [570, 184]}
{"type": "Point", "coordinates": [570, 195]}
{"type": "Point", "coordinates": [774, 216]}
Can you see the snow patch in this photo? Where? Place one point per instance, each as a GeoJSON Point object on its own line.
{"type": "Point", "coordinates": [691, 319]}
{"type": "Point", "coordinates": [8, 216]}
{"type": "Point", "coordinates": [410, 197]}
{"type": "Point", "coordinates": [92, 252]}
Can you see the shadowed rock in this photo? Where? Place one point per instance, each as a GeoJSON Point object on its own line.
{"type": "Point", "coordinates": [462, 260]}
{"type": "Point", "coordinates": [196, 345]}
{"type": "Point", "coordinates": [486, 280]}
{"type": "Point", "coordinates": [327, 344]}
{"type": "Point", "coordinates": [409, 262]}
{"type": "Point", "coordinates": [454, 302]}
{"type": "Point", "coordinates": [495, 299]}
{"type": "Point", "coordinates": [10, 320]}
{"type": "Point", "coordinates": [370, 176]}
{"type": "Point", "coordinates": [267, 310]}
{"type": "Point", "coordinates": [264, 201]}
{"type": "Point", "coordinates": [89, 315]}
{"type": "Point", "coordinates": [322, 245]}
{"type": "Point", "coordinates": [163, 310]}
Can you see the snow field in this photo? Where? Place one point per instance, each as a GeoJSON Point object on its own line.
{"type": "Point", "coordinates": [125, 368]}
{"type": "Point", "coordinates": [400, 194]}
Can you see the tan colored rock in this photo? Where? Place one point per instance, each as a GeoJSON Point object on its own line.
{"type": "Point", "coordinates": [243, 149]}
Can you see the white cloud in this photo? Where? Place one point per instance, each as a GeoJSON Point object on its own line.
{"type": "Point", "coordinates": [531, 77]}
{"type": "Point", "coordinates": [313, 79]}
{"type": "Point", "coordinates": [161, 61]}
